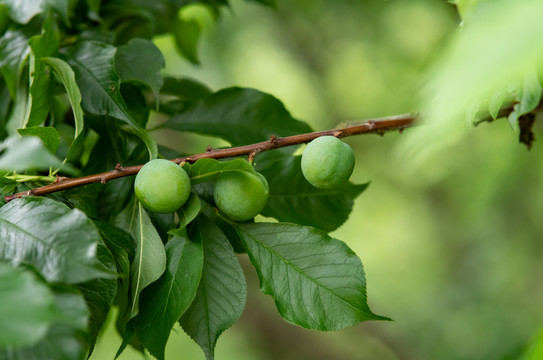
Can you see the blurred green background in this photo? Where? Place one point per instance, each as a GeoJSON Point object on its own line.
{"type": "Point", "coordinates": [451, 245]}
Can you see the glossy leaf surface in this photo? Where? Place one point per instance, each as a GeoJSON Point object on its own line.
{"type": "Point", "coordinates": [239, 116]}
{"type": "Point", "coordinates": [140, 61]}
{"type": "Point", "coordinates": [59, 242]}
{"type": "Point", "coordinates": [164, 301]}
{"type": "Point", "coordinates": [317, 281]}
{"type": "Point", "coordinates": [208, 169]}
{"type": "Point", "coordinates": [65, 339]}
{"type": "Point", "coordinates": [220, 298]}
{"type": "Point", "coordinates": [93, 64]}
{"type": "Point", "coordinates": [150, 257]}
{"type": "Point", "coordinates": [28, 307]}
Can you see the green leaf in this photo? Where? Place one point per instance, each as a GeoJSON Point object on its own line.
{"type": "Point", "coordinates": [271, 3]}
{"type": "Point", "coordinates": [496, 101]}
{"type": "Point", "coordinates": [186, 33]}
{"type": "Point", "coordinates": [208, 169]}
{"type": "Point", "coordinates": [23, 11]}
{"type": "Point", "coordinates": [121, 246]}
{"type": "Point", "coordinates": [465, 7]}
{"type": "Point", "coordinates": [18, 110]}
{"type": "Point", "coordinates": [27, 310]}
{"type": "Point", "coordinates": [58, 242]}
{"type": "Point", "coordinates": [66, 76]}
{"type": "Point", "coordinates": [528, 97]}
{"type": "Point", "coordinates": [48, 135]}
{"type": "Point", "coordinates": [94, 8]}
{"type": "Point", "coordinates": [189, 211]}
{"type": "Point", "coordinates": [471, 113]}
{"type": "Point", "coordinates": [26, 153]}
{"type": "Point", "coordinates": [14, 49]}
{"type": "Point", "coordinates": [7, 186]}
{"type": "Point", "coordinates": [221, 295]}
{"type": "Point", "coordinates": [164, 301]}
{"type": "Point", "coordinates": [41, 86]}
{"type": "Point", "coordinates": [99, 294]}
{"type": "Point", "coordinates": [61, 7]}
{"type": "Point", "coordinates": [239, 116]}
{"type": "Point", "coordinates": [317, 281]}
{"type": "Point", "coordinates": [150, 257]}
{"type": "Point", "coordinates": [184, 88]}
{"type": "Point", "coordinates": [141, 61]}
{"type": "Point", "coordinates": [136, 103]}
{"type": "Point", "coordinates": [227, 228]}
{"type": "Point", "coordinates": [293, 199]}
{"type": "Point", "coordinates": [66, 339]}
{"type": "Point", "coordinates": [93, 64]}
{"type": "Point", "coordinates": [5, 102]}
{"type": "Point", "coordinates": [83, 198]}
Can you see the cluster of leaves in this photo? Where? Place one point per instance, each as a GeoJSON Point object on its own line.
{"type": "Point", "coordinates": [79, 81]}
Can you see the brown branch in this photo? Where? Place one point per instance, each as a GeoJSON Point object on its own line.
{"type": "Point", "coordinates": [379, 126]}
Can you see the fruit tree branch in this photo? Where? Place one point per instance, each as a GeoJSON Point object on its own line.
{"type": "Point", "coordinates": [378, 126]}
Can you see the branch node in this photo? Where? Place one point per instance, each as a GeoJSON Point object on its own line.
{"type": "Point", "coordinates": [209, 148]}
{"type": "Point", "coordinates": [60, 178]}
{"type": "Point", "coordinates": [379, 126]}
{"type": "Point", "coordinates": [252, 156]}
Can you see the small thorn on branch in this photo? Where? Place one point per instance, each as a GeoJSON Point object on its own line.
{"type": "Point", "coordinates": [273, 139]}
{"type": "Point", "coordinates": [119, 167]}
{"type": "Point", "coordinates": [209, 148]}
{"type": "Point", "coordinates": [103, 181]}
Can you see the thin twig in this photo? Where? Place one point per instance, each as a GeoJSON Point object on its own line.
{"type": "Point", "coordinates": [379, 126]}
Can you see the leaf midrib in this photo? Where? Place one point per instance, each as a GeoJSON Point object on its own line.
{"type": "Point", "coordinates": [46, 244]}
{"type": "Point", "coordinates": [97, 81]}
{"type": "Point", "coordinates": [288, 263]}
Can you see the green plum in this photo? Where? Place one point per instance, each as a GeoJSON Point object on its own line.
{"type": "Point", "coordinates": [162, 186]}
{"type": "Point", "coordinates": [241, 195]}
{"type": "Point", "coordinates": [327, 162]}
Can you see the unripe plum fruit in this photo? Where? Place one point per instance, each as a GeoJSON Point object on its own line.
{"type": "Point", "coordinates": [162, 186]}
{"type": "Point", "coordinates": [327, 162]}
{"type": "Point", "coordinates": [241, 195]}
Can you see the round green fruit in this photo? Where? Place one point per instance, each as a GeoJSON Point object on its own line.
{"type": "Point", "coordinates": [327, 162]}
{"type": "Point", "coordinates": [162, 186]}
{"type": "Point", "coordinates": [240, 195]}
